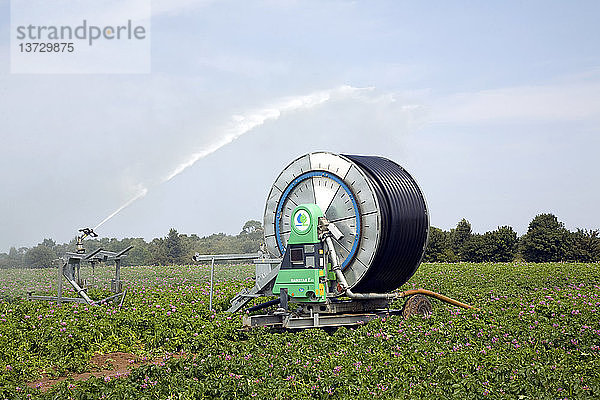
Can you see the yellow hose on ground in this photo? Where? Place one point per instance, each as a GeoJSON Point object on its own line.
{"type": "Point", "coordinates": [437, 296]}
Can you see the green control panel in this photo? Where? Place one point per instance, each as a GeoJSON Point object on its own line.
{"type": "Point", "coordinates": [303, 268]}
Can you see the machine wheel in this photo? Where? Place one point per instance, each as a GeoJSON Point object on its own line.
{"type": "Point", "coordinates": [417, 305]}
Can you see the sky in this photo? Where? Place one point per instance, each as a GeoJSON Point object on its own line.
{"type": "Point", "coordinates": [493, 107]}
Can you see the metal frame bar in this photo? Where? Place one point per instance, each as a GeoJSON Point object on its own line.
{"type": "Point", "coordinates": [69, 269]}
{"type": "Point", "coordinates": [222, 257]}
{"type": "Point", "coordinates": [56, 299]}
{"type": "Point", "coordinates": [122, 294]}
{"type": "Point", "coordinates": [227, 257]}
{"type": "Point", "coordinates": [212, 278]}
{"type": "Point", "coordinates": [316, 320]}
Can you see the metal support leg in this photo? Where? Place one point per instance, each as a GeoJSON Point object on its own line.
{"type": "Point", "coordinates": [117, 286]}
{"type": "Point", "coordinates": [61, 268]}
{"type": "Point", "coordinates": [80, 291]}
{"type": "Point", "coordinates": [263, 284]}
{"type": "Point", "coordinates": [283, 298]}
{"type": "Point", "coordinates": [212, 277]}
{"type": "Point", "coordinates": [123, 298]}
{"type": "Point", "coordinates": [77, 269]}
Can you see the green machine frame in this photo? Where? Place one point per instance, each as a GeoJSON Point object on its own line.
{"type": "Point", "coordinates": [303, 272]}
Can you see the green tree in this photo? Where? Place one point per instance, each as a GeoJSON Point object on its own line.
{"type": "Point", "coordinates": [436, 246]}
{"type": "Point", "coordinates": [39, 256]}
{"type": "Point", "coordinates": [459, 236]}
{"type": "Point", "coordinates": [584, 246]}
{"type": "Point", "coordinates": [157, 250]}
{"type": "Point", "coordinates": [545, 241]}
{"type": "Point", "coordinates": [139, 255]}
{"type": "Point", "coordinates": [251, 237]}
{"type": "Point", "coordinates": [503, 242]}
{"type": "Point", "coordinates": [4, 261]}
{"type": "Point", "coordinates": [476, 249]}
{"type": "Point", "coordinates": [15, 257]}
{"type": "Point", "coordinates": [48, 243]}
{"type": "Point", "coordinates": [173, 247]}
{"type": "Point", "coordinates": [252, 227]}
{"type": "Point", "coordinates": [497, 246]}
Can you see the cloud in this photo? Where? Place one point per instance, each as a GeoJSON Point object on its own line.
{"type": "Point", "coordinates": [558, 102]}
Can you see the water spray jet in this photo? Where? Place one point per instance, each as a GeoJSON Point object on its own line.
{"type": "Point", "coordinates": [244, 123]}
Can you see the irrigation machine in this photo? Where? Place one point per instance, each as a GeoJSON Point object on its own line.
{"type": "Point", "coordinates": [342, 234]}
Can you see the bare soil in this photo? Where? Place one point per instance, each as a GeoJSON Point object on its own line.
{"type": "Point", "coordinates": [107, 366]}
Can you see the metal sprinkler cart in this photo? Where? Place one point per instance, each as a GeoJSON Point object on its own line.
{"type": "Point", "coordinates": [69, 268]}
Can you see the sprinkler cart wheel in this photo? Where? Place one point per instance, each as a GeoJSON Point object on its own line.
{"type": "Point", "coordinates": [417, 305]}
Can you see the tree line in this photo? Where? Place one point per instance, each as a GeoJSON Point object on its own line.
{"type": "Point", "coordinates": [546, 240]}
{"type": "Point", "coordinates": [174, 248]}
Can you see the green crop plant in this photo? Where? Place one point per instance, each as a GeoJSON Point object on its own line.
{"type": "Point", "coordinates": [537, 336]}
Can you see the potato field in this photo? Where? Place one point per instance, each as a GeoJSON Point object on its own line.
{"type": "Point", "coordinates": [537, 336]}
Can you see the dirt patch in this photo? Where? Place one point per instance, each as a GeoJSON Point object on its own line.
{"type": "Point", "coordinates": [108, 366]}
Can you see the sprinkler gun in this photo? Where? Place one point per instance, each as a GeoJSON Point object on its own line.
{"type": "Point", "coordinates": [85, 232]}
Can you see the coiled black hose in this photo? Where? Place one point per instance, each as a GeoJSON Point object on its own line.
{"type": "Point", "coordinates": [404, 225]}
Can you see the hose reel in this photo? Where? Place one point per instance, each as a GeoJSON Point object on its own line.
{"type": "Point", "coordinates": [375, 204]}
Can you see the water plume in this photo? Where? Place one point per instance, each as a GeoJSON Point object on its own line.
{"type": "Point", "coordinates": [244, 123]}
{"type": "Point", "coordinates": [241, 124]}
{"type": "Point", "coordinates": [142, 192]}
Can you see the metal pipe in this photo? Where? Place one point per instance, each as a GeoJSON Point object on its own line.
{"type": "Point", "coordinates": [342, 279]}
{"type": "Point", "coordinates": [92, 254]}
{"type": "Point", "coordinates": [122, 252]}
{"type": "Point", "coordinates": [80, 291]}
{"type": "Point", "coordinates": [365, 296]}
{"type": "Point", "coordinates": [118, 285]}
{"type": "Point", "coordinates": [212, 274]}
{"type": "Point", "coordinates": [61, 267]}
{"type": "Point", "coordinates": [111, 297]}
